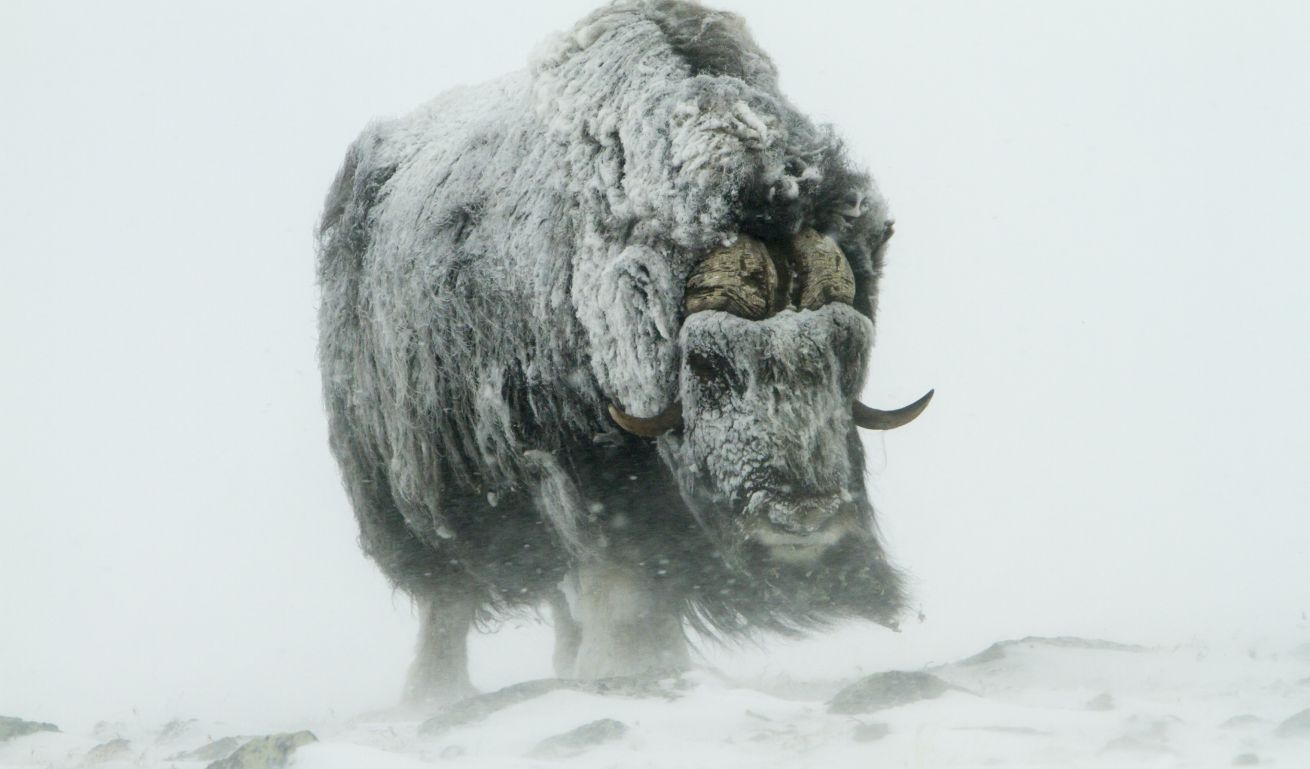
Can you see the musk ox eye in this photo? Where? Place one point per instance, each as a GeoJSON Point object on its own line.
{"type": "Point", "coordinates": [705, 367]}
{"type": "Point", "coordinates": [714, 375]}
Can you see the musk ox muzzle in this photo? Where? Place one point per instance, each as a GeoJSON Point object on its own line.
{"type": "Point", "coordinates": [799, 530]}
{"type": "Point", "coordinates": [765, 446]}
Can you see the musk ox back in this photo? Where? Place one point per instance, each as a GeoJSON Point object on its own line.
{"type": "Point", "coordinates": [592, 335]}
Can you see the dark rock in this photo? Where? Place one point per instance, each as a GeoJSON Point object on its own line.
{"type": "Point", "coordinates": [997, 650]}
{"type": "Point", "coordinates": [451, 752]}
{"type": "Point", "coordinates": [114, 750]}
{"type": "Point", "coordinates": [1102, 701]}
{"type": "Point", "coordinates": [271, 752]}
{"type": "Point", "coordinates": [870, 732]}
{"type": "Point", "coordinates": [210, 752]}
{"type": "Point", "coordinates": [887, 690]}
{"type": "Point", "coordinates": [17, 727]}
{"type": "Point", "coordinates": [1246, 759]}
{"type": "Point", "coordinates": [1296, 726]}
{"type": "Point", "coordinates": [576, 741]}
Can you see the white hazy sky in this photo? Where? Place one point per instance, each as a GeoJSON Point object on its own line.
{"type": "Point", "coordinates": [1101, 265]}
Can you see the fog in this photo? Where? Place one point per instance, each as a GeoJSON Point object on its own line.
{"type": "Point", "coordinates": [1099, 264]}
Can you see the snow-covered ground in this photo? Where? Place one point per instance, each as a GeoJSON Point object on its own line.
{"type": "Point", "coordinates": [1053, 702]}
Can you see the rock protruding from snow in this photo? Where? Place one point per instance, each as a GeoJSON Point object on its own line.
{"type": "Point", "coordinates": [578, 741]}
{"type": "Point", "coordinates": [1296, 726]}
{"type": "Point", "coordinates": [1197, 705]}
{"type": "Point", "coordinates": [887, 690]}
{"type": "Point", "coordinates": [998, 650]}
{"type": "Point", "coordinates": [270, 752]}
{"type": "Point", "coordinates": [1102, 701]}
{"type": "Point", "coordinates": [211, 751]}
{"type": "Point", "coordinates": [17, 727]}
{"type": "Point", "coordinates": [176, 730]}
{"type": "Point", "coordinates": [870, 732]}
{"type": "Point", "coordinates": [1146, 735]}
{"type": "Point", "coordinates": [476, 708]}
{"type": "Point", "coordinates": [115, 750]}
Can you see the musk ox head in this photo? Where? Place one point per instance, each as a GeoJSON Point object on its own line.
{"type": "Point", "coordinates": [773, 358]}
{"type": "Point", "coordinates": [763, 440]}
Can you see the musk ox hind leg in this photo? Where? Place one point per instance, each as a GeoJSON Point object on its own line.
{"type": "Point", "coordinates": [446, 605]}
{"type": "Point", "coordinates": [439, 673]}
{"type": "Point", "coordinates": [626, 625]}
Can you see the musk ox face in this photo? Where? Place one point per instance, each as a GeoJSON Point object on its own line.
{"type": "Point", "coordinates": [769, 460]}
{"type": "Point", "coordinates": [765, 447]}
{"type": "Point", "coordinates": [763, 439]}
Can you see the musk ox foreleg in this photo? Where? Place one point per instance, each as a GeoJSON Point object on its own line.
{"type": "Point", "coordinates": [439, 673]}
{"type": "Point", "coordinates": [567, 635]}
{"type": "Point", "coordinates": [626, 625]}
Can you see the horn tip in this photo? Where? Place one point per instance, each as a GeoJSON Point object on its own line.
{"type": "Point", "coordinates": [877, 419]}
{"type": "Point", "coordinates": [647, 427]}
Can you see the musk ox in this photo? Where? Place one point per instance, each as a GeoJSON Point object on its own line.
{"type": "Point", "coordinates": [592, 336]}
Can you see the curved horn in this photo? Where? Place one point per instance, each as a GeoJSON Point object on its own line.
{"type": "Point", "coordinates": [875, 419]}
{"type": "Point", "coordinates": [648, 427]}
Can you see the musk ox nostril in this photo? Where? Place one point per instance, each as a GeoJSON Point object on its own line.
{"type": "Point", "coordinates": [800, 531]}
{"type": "Point", "coordinates": [802, 518]}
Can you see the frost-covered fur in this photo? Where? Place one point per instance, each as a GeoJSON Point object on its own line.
{"type": "Point", "coordinates": [502, 263]}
